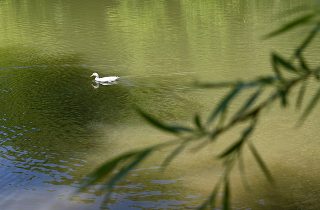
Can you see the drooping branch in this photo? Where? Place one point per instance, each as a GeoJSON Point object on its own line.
{"type": "Point", "coordinates": [216, 124]}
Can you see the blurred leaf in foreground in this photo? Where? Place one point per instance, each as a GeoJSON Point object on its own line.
{"type": "Point", "coordinates": [163, 126]}
{"type": "Point", "coordinates": [297, 22]}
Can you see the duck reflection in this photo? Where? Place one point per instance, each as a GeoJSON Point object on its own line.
{"type": "Point", "coordinates": [96, 84]}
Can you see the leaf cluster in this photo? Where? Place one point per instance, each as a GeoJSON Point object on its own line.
{"type": "Point", "coordinates": [286, 74]}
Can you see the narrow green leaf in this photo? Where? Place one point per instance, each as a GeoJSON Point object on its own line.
{"type": "Point", "coordinates": [105, 169]}
{"type": "Point", "coordinates": [238, 144]}
{"type": "Point", "coordinates": [165, 127]}
{"type": "Point", "coordinates": [250, 101]}
{"type": "Point", "coordinates": [232, 148]}
{"type": "Point", "coordinates": [226, 196]}
{"type": "Point", "coordinates": [275, 67]}
{"type": "Point", "coordinates": [311, 105]}
{"type": "Point", "coordinates": [224, 103]}
{"type": "Point", "coordinates": [242, 171]}
{"type": "Point", "coordinates": [278, 60]}
{"type": "Point", "coordinates": [180, 128]}
{"type": "Point", "coordinates": [240, 163]}
{"type": "Point", "coordinates": [308, 40]}
{"type": "Point", "coordinates": [266, 80]}
{"type": "Point", "coordinates": [200, 145]}
{"type": "Point", "coordinates": [173, 154]}
{"type": "Point", "coordinates": [198, 123]}
{"type": "Point", "coordinates": [126, 169]}
{"type": "Point", "coordinates": [211, 201]}
{"type": "Point", "coordinates": [283, 97]}
{"type": "Point", "coordinates": [303, 64]}
{"type": "Point", "coordinates": [223, 117]}
{"type": "Point", "coordinates": [295, 10]}
{"type": "Point", "coordinates": [296, 22]}
{"type": "Point", "coordinates": [301, 95]}
{"type": "Point", "coordinates": [260, 162]}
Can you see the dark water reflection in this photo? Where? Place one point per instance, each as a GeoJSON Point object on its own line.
{"type": "Point", "coordinates": [50, 121]}
{"type": "Point", "coordinates": [55, 127]}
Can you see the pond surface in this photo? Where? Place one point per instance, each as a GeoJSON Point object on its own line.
{"type": "Point", "coordinates": [55, 127]}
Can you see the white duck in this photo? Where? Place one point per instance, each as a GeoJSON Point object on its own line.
{"type": "Point", "coordinates": [104, 79]}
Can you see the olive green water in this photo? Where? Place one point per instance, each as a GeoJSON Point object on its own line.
{"type": "Point", "coordinates": [55, 127]}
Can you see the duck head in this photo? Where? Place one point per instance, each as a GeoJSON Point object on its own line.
{"type": "Point", "coordinates": [94, 75]}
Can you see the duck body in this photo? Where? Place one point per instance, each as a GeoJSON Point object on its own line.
{"type": "Point", "coordinates": [104, 79]}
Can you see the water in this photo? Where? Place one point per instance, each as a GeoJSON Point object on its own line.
{"type": "Point", "coordinates": [55, 127]}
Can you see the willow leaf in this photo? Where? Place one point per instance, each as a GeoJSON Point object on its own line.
{"type": "Point", "coordinates": [303, 64]}
{"type": "Point", "coordinates": [173, 154]}
{"type": "Point", "coordinates": [238, 144]}
{"type": "Point", "coordinates": [223, 117]}
{"type": "Point", "coordinates": [105, 169]}
{"type": "Point", "coordinates": [266, 80]}
{"type": "Point", "coordinates": [248, 103]}
{"type": "Point", "coordinates": [283, 97]}
{"type": "Point", "coordinates": [296, 22]}
{"type": "Point", "coordinates": [277, 59]}
{"type": "Point", "coordinates": [308, 40]}
{"type": "Point", "coordinates": [226, 196]}
{"type": "Point", "coordinates": [224, 103]}
{"type": "Point", "coordinates": [313, 102]}
{"type": "Point", "coordinates": [163, 126]}
{"type": "Point", "coordinates": [198, 123]}
{"type": "Point", "coordinates": [276, 69]}
{"type": "Point", "coordinates": [242, 171]}
{"type": "Point", "coordinates": [126, 169]}
{"type": "Point", "coordinates": [260, 162]}
{"type": "Point", "coordinates": [295, 10]}
{"type": "Point", "coordinates": [232, 148]}
{"type": "Point", "coordinates": [301, 95]}
{"type": "Point", "coordinates": [211, 201]}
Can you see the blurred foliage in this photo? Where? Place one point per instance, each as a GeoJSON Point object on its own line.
{"type": "Point", "coordinates": [265, 91]}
